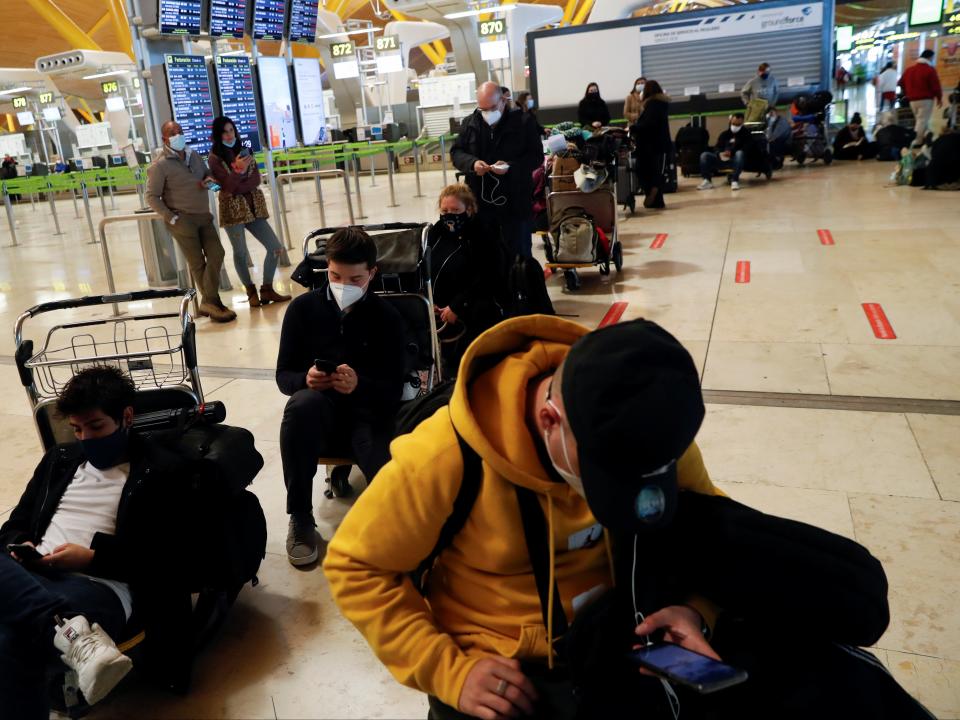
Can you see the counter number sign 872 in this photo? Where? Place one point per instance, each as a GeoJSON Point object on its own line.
{"type": "Point", "coordinates": [492, 27]}
{"type": "Point", "coordinates": [341, 50]}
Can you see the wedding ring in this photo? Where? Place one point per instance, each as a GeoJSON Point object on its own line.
{"type": "Point", "coordinates": [501, 688]}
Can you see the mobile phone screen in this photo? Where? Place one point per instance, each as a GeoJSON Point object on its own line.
{"type": "Point", "coordinates": [690, 668]}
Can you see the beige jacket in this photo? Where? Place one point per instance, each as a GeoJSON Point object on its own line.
{"type": "Point", "coordinates": [173, 185]}
{"type": "Point", "coordinates": [632, 107]}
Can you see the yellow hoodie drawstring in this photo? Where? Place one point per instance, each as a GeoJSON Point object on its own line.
{"type": "Point", "coordinates": [551, 584]}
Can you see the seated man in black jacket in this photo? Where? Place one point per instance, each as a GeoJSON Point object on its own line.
{"type": "Point", "coordinates": [341, 360]}
{"type": "Point", "coordinates": [731, 153]}
{"type": "Point", "coordinates": [88, 541]}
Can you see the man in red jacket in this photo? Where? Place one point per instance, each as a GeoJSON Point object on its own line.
{"type": "Point", "coordinates": [921, 84]}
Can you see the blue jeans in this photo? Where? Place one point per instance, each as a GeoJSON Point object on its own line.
{"type": "Point", "coordinates": [28, 602]}
{"type": "Point", "coordinates": [710, 162]}
{"type": "Point", "coordinates": [262, 231]}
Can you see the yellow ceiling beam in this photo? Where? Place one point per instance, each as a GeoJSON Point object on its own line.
{"type": "Point", "coordinates": [99, 24]}
{"type": "Point", "coordinates": [568, 11]}
{"type": "Point", "coordinates": [349, 7]}
{"type": "Point", "coordinates": [65, 27]}
{"type": "Point", "coordinates": [10, 126]}
{"type": "Point", "coordinates": [335, 6]}
{"type": "Point", "coordinates": [425, 48]}
{"type": "Point", "coordinates": [583, 12]}
{"type": "Point", "coordinates": [441, 50]}
{"type": "Point", "coordinates": [120, 27]}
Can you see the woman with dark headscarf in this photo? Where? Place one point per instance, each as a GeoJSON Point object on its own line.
{"type": "Point", "coordinates": [651, 134]}
{"type": "Point", "coordinates": [593, 111]}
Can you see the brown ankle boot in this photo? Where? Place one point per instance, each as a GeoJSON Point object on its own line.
{"type": "Point", "coordinates": [252, 295]}
{"type": "Point", "coordinates": [268, 294]}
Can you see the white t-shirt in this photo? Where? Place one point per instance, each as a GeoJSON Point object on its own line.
{"type": "Point", "coordinates": [88, 506]}
{"type": "Point", "coordinates": [887, 81]}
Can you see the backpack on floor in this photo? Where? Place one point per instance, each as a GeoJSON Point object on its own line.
{"type": "Point", "coordinates": [690, 143]}
{"type": "Point", "coordinates": [574, 236]}
{"type": "Point", "coordinates": [526, 289]}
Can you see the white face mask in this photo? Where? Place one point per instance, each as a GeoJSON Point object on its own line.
{"type": "Point", "coordinates": [346, 295]}
{"type": "Point", "coordinates": [735, 128]}
{"type": "Point", "coordinates": [530, 103]}
{"type": "Point", "coordinates": [491, 117]}
{"type": "Point", "coordinates": [572, 480]}
{"type": "Point", "coordinates": [177, 142]}
{"type": "Point", "coordinates": [638, 87]}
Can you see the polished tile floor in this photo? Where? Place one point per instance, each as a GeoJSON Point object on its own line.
{"type": "Point", "coordinates": [888, 478]}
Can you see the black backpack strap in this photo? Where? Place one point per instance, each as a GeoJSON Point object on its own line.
{"type": "Point", "coordinates": [462, 505]}
{"type": "Point", "coordinates": [536, 532]}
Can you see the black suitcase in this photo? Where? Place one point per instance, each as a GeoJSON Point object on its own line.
{"type": "Point", "coordinates": [690, 143]}
{"type": "Point", "coordinates": [669, 172]}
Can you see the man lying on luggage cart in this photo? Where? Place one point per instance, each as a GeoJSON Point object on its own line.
{"type": "Point", "coordinates": [89, 543]}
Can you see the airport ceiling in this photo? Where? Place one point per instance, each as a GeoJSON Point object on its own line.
{"type": "Point", "coordinates": [27, 35]}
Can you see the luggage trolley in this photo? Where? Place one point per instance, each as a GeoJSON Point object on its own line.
{"type": "Point", "coordinates": [157, 350]}
{"type": "Point", "coordinates": [601, 205]}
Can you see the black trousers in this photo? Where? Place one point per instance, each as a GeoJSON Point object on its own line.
{"type": "Point", "coordinates": [316, 424]}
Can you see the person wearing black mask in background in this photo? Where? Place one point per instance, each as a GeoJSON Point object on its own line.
{"type": "Point", "coordinates": [651, 133]}
{"type": "Point", "coordinates": [632, 106]}
{"type": "Point", "coordinates": [498, 150]}
{"type": "Point", "coordinates": [527, 105]}
{"type": "Point", "coordinates": [466, 269]}
{"type": "Point", "coordinates": [851, 142]}
{"type": "Point", "coordinates": [593, 111]}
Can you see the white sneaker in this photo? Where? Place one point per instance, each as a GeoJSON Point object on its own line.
{"type": "Point", "coordinates": [734, 185]}
{"type": "Point", "coordinates": [93, 655]}
{"type": "Point", "coordinates": [705, 185]}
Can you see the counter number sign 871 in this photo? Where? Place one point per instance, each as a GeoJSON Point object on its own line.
{"type": "Point", "coordinates": [488, 28]}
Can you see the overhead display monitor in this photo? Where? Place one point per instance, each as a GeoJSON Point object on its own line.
{"type": "Point", "coordinates": [278, 123]}
{"type": "Point", "coordinates": [926, 12]}
{"type": "Point", "coordinates": [313, 125]}
{"type": "Point", "coordinates": [26, 118]}
{"type": "Point", "coordinates": [268, 19]}
{"type": "Point", "coordinates": [115, 104]}
{"type": "Point", "coordinates": [228, 18]}
{"type": "Point", "coordinates": [179, 17]}
{"type": "Point", "coordinates": [51, 114]}
{"type": "Point", "coordinates": [237, 98]}
{"type": "Point", "coordinates": [844, 37]}
{"type": "Point", "coordinates": [190, 99]}
{"type": "Point", "coordinates": [303, 20]}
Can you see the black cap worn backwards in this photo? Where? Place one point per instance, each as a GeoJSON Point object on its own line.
{"type": "Point", "coordinates": [631, 394]}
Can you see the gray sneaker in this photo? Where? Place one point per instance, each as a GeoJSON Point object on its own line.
{"type": "Point", "coordinates": [302, 540]}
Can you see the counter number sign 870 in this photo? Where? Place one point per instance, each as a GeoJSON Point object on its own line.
{"type": "Point", "coordinates": [341, 50]}
{"type": "Point", "coordinates": [493, 27]}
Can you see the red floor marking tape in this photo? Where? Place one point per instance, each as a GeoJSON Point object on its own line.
{"type": "Point", "coordinates": [826, 237]}
{"type": "Point", "coordinates": [658, 241]}
{"type": "Point", "coordinates": [743, 271]}
{"type": "Point", "coordinates": [613, 314]}
{"type": "Point", "coordinates": [878, 321]}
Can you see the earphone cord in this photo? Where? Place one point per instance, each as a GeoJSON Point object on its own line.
{"type": "Point", "coordinates": [500, 201]}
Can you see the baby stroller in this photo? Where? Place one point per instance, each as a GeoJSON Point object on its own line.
{"type": "Point", "coordinates": [583, 233]}
{"type": "Point", "coordinates": [810, 137]}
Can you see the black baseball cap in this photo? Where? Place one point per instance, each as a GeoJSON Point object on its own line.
{"type": "Point", "coordinates": [631, 395]}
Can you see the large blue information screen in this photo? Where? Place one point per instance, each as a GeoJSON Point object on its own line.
{"type": "Point", "coordinates": [179, 17]}
{"type": "Point", "coordinates": [268, 19]}
{"type": "Point", "coordinates": [237, 98]}
{"type": "Point", "coordinates": [279, 127]}
{"type": "Point", "coordinates": [303, 20]}
{"type": "Point", "coordinates": [190, 99]}
{"type": "Point", "coordinates": [228, 18]}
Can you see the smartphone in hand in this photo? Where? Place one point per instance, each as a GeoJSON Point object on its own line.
{"type": "Point", "coordinates": [24, 551]}
{"type": "Point", "coordinates": [686, 667]}
{"type": "Point", "coordinates": [325, 366]}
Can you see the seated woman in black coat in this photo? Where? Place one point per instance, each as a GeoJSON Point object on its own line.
{"type": "Point", "coordinates": [467, 269]}
{"type": "Point", "coordinates": [651, 134]}
{"type": "Point", "coordinates": [851, 142]}
{"type": "Point", "coordinates": [593, 111]}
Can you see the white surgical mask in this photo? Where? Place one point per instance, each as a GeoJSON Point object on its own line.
{"type": "Point", "coordinates": [735, 128]}
{"type": "Point", "coordinates": [491, 117]}
{"type": "Point", "coordinates": [178, 142]}
{"type": "Point", "coordinates": [638, 87]}
{"type": "Point", "coordinates": [530, 103]}
{"type": "Point", "coordinates": [572, 480]}
{"type": "Point", "coordinates": [346, 295]}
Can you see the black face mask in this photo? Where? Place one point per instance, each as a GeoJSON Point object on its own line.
{"type": "Point", "coordinates": [453, 223]}
{"type": "Point", "coordinates": [107, 451]}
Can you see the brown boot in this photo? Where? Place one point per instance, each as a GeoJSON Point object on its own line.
{"type": "Point", "coordinates": [268, 294]}
{"type": "Point", "coordinates": [217, 313]}
{"type": "Point", "coordinates": [252, 295]}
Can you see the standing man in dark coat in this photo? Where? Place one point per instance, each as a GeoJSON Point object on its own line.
{"type": "Point", "coordinates": [498, 149]}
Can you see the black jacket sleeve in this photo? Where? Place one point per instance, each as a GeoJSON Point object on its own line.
{"type": "Point", "coordinates": [532, 145]}
{"type": "Point", "coordinates": [463, 153]}
{"type": "Point", "coordinates": [604, 114]}
{"type": "Point", "coordinates": [19, 526]}
{"type": "Point", "coordinates": [293, 359]}
{"type": "Point", "coordinates": [381, 384]}
{"type": "Point", "coordinates": [485, 268]}
{"type": "Point", "coordinates": [583, 114]}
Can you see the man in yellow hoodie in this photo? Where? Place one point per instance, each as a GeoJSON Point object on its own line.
{"type": "Point", "coordinates": [536, 400]}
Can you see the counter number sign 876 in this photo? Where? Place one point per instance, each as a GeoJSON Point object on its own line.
{"type": "Point", "coordinates": [492, 27]}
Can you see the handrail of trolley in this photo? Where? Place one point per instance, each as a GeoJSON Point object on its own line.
{"type": "Point", "coordinates": [377, 227]}
{"type": "Point", "coordinates": [186, 296]}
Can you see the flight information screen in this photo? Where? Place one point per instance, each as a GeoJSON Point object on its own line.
{"type": "Point", "coordinates": [279, 127]}
{"type": "Point", "coordinates": [227, 18]}
{"type": "Point", "coordinates": [237, 98]}
{"type": "Point", "coordinates": [306, 75]}
{"type": "Point", "coordinates": [179, 17]}
{"type": "Point", "coordinates": [303, 20]}
{"type": "Point", "coordinates": [190, 99]}
{"type": "Point", "coordinates": [268, 17]}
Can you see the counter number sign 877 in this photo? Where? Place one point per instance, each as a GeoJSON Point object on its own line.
{"type": "Point", "coordinates": [488, 28]}
{"type": "Point", "coordinates": [341, 50]}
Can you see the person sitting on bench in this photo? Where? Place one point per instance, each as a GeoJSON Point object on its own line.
{"type": "Point", "coordinates": [731, 154]}
{"type": "Point", "coordinates": [341, 361]}
{"type": "Point", "coordinates": [90, 540]}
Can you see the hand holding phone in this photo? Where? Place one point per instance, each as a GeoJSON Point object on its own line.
{"type": "Point", "coordinates": [500, 167]}
{"type": "Point", "coordinates": [325, 366]}
{"type": "Point", "coordinates": [25, 552]}
{"type": "Point", "coordinates": [686, 667]}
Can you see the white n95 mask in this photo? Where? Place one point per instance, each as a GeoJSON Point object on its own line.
{"type": "Point", "coordinates": [346, 295]}
{"type": "Point", "coordinates": [491, 117]}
